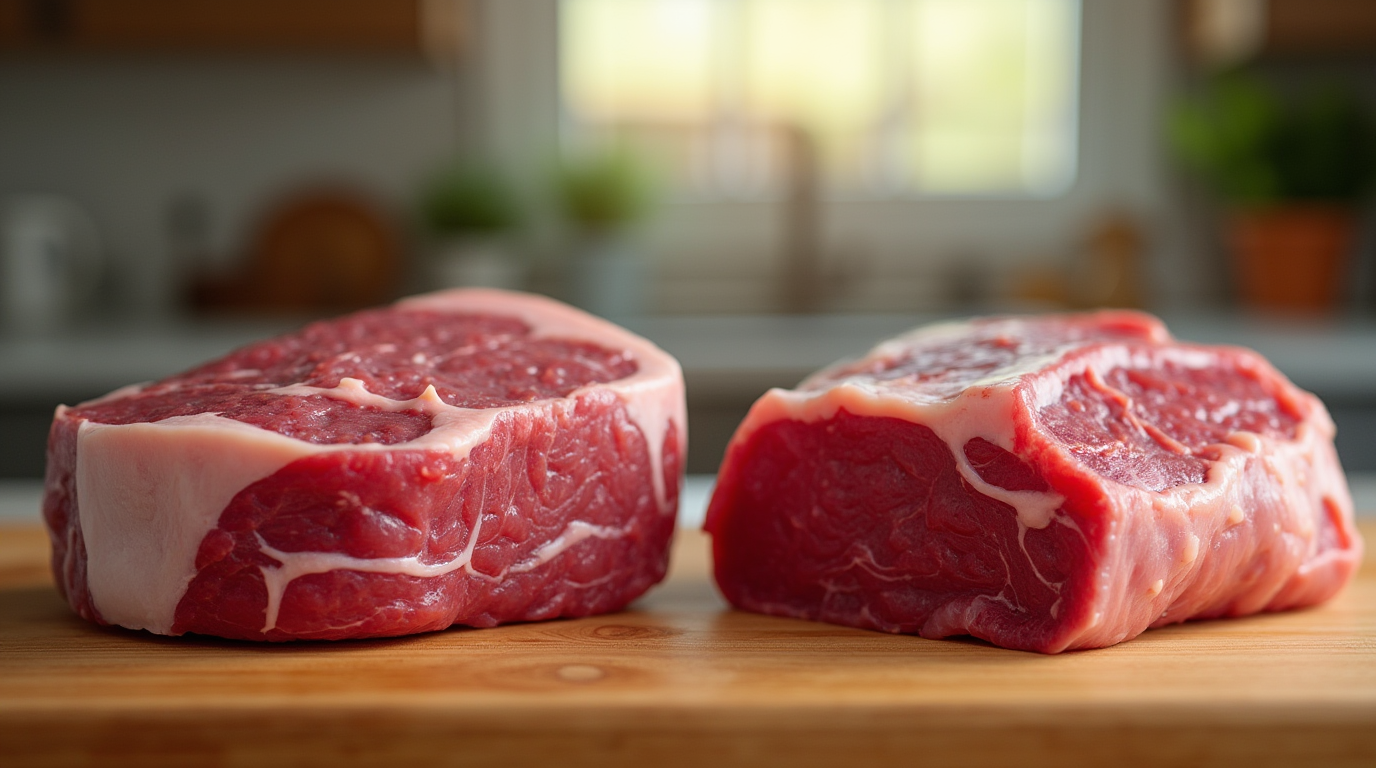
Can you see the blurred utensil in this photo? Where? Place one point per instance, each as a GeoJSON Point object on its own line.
{"type": "Point", "coordinates": [50, 261]}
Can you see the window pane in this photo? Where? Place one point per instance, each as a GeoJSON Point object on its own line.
{"type": "Point", "coordinates": [637, 60]}
{"type": "Point", "coordinates": [813, 62]}
{"type": "Point", "coordinates": [993, 95]}
{"type": "Point", "coordinates": [816, 65]}
{"type": "Point", "coordinates": [942, 97]}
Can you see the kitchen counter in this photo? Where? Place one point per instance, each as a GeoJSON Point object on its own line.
{"type": "Point", "coordinates": [718, 353]}
{"type": "Point", "coordinates": [679, 679]}
{"type": "Point", "coordinates": [727, 363]}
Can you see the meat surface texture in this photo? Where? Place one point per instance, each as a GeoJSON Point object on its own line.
{"type": "Point", "coordinates": [1043, 483]}
{"type": "Point", "coordinates": [466, 457]}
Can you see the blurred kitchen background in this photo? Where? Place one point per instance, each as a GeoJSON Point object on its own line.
{"type": "Point", "coordinates": [760, 186]}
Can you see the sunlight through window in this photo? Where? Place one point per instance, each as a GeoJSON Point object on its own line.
{"type": "Point", "coordinates": [918, 97]}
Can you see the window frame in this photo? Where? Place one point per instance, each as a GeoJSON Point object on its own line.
{"type": "Point", "coordinates": [722, 255]}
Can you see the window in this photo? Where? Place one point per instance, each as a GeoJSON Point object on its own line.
{"type": "Point", "coordinates": [888, 97]}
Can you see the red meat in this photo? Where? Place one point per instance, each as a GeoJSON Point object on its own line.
{"type": "Point", "coordinates": [468, 457]}
{"type": "Point", "coordinates": [1041, 483]}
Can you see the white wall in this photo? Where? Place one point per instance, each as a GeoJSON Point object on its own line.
{"type": "Point", "coordinates": [123, 135]}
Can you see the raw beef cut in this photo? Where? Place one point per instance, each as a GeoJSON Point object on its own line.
{"type": "Point", "coordinates": [1042, 483]}
{"type": "Point", "coordinates": [466, 457]}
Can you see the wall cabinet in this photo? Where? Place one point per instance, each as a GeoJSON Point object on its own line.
{"type": "Point", "coordinates": [428, 27]}
{"type": "Point", "coordinates": [1229, 31]}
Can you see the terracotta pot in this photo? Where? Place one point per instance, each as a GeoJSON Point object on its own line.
{"type": "Point", "coordinates": [1292, 257]}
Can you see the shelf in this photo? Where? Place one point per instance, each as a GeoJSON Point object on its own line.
{"type": "Point", "coordinates": [1223, 32]}
{"type": "Point", "coordinates": [432, 27]}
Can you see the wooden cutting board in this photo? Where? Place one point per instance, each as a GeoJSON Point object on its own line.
{"type": "Point", "coordinates": [682, 680]}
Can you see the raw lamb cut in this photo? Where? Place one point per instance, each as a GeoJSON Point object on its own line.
{"type": "Point", "coordinates": [1042, 483]}
{"type": "Point", "coordinates": [466, 457]}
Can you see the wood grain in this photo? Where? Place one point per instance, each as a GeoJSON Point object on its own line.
{"type": "Point", "coordinates": [207, 25]}
{"type": "Point", "coordinates": [682, 680]}
{"type": "Point", "coordinates": [437, 29]}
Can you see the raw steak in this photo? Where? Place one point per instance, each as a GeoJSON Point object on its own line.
{"type": "Point", "coordinates": [465, 457]}
{"type": "Point", "coordinates": [1041, 483]}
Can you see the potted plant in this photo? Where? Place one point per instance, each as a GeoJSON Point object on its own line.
{"type": "Point", "coordinates": [601, 195]}
{"type": "Point", "coordinates": [1291, 173]}
{"type": "Point", "coordinates": [471, 213]}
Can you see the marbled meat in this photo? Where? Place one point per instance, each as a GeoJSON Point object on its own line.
{"type": "Point", "coordinates": [1041, 483]}
{"type": "Point", "coordinates": [466, 457]}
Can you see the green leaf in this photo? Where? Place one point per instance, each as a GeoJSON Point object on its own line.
{"type": "Point", "coordinates": [469, 199]}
